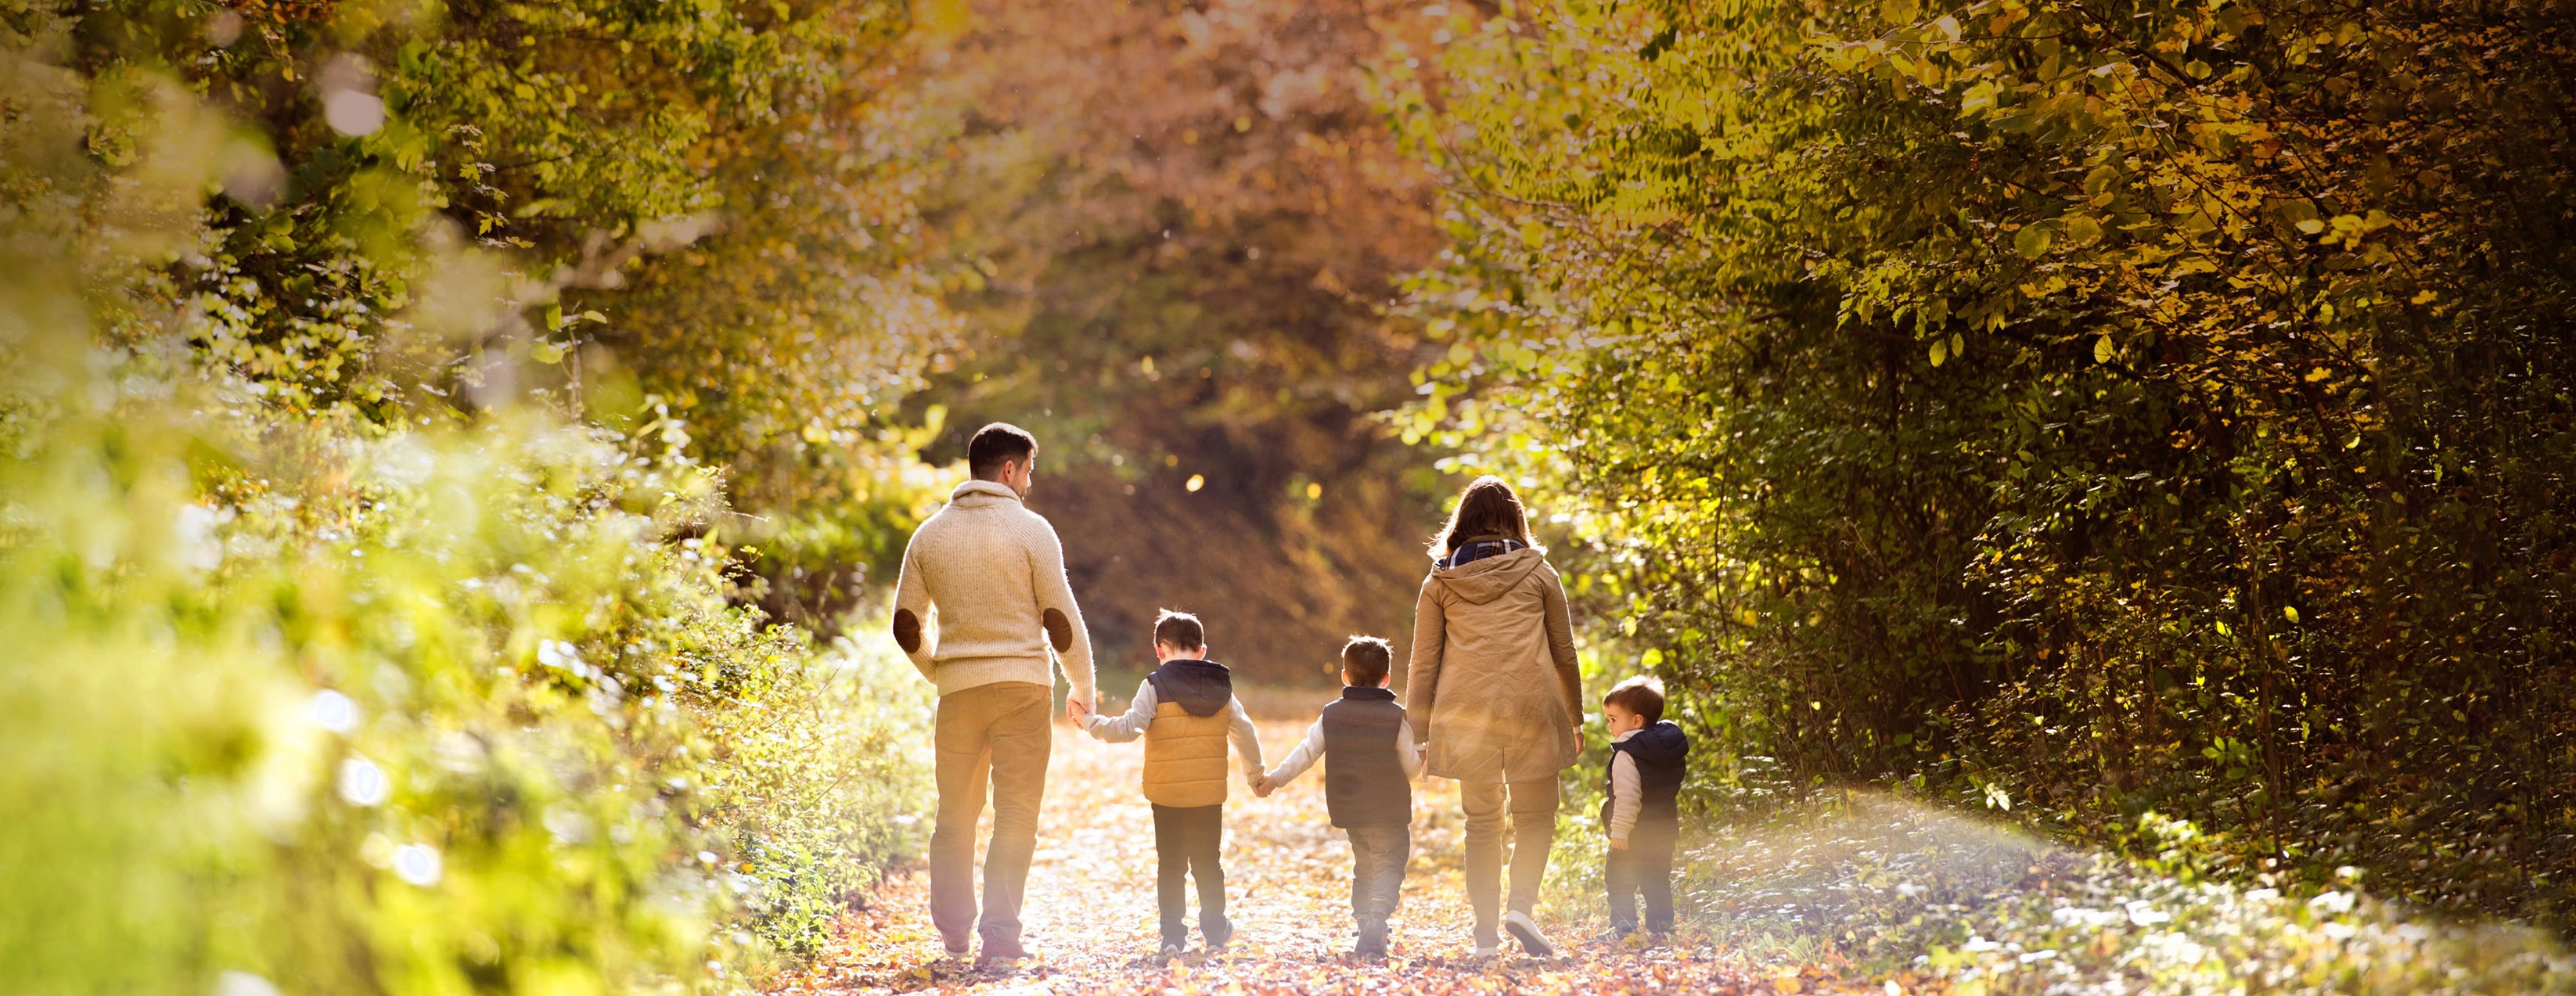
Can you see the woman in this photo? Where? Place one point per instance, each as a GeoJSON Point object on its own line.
{"type": "Point", "coordinates": [1494, 691]}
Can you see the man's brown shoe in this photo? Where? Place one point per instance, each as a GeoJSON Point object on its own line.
{"type": "Point", "coordinates": [999, 953]}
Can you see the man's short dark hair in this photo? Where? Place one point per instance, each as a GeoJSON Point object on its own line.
{"type": "Point", "coordinates": [1641, 695]}
{"type": "Point", "coordinates": [1365, 660]}
{"type": "Point", "coordinates": [995, 445]}
{"type": "Point", "coordinates": [1179, 629]}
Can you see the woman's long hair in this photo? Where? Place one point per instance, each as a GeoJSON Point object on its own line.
{"type": "Point", "coordinates": [1488, 507]}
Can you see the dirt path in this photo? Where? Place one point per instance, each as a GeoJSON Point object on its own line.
{"type": "Point", "coordinates": [1090, 908]}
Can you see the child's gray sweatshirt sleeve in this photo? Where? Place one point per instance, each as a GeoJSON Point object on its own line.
{"type": "Point", "coordinates": [1139, 715]}
{"type": "Point", "coordinates": [1247, 740]}
{"type": "Point", "coordinates": [1311, 749]}
{"type": "Point", "coordinates": [1301, 756]}
{"type": "Point", "coordinates": [1626, 793]}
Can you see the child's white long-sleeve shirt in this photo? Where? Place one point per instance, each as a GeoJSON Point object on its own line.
{"type": "Point", "coordinates": [1627, 791]}
{"type": "Point", "coordinates": [1311, 749]}
{"type": "Point", "coordinates": [1140, 714]}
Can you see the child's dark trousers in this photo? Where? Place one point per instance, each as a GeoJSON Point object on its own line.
{"type": "Point", "coordinates": [1186, 843]}
{"type": "Point", "coordinates": [1646, 866]}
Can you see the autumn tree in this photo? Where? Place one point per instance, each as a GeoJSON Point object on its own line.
{"type": "Point", "coordinates": [1195, 218]}
{"type": "Point", "coordinates": [2084, 408]}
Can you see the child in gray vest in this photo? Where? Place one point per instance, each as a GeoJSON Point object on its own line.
{"type": "Point", "coordinates": [1187, 712]}
{"type": "Point", "coordinates": [1640, 808]}
{"type": "Point", "coordinates": [1369, 765]}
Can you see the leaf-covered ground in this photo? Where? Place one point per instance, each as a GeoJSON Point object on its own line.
{"type": "Point", "coordinates": [1857, 892]}
{"type": "Point", "coordinates": [1090, 909]}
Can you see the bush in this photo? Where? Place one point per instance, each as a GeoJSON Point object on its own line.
{"type": "Point", "coordinates": [819, 780]}
{"type": "Point", "coordinates": [299, 702]}
{"type": "Point", "coordinates": [444, 713]}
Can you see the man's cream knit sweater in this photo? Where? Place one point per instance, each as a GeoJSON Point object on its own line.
{"type": "Point", "coordinates": [983, 596]}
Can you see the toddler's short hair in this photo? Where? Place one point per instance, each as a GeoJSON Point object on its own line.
{"type": "Point", "coordinates": [1642, 695]}
{"type": "Point", "coordinates": [1179, 629]}
{"type": "Point", "coordinates": [1366, 659]}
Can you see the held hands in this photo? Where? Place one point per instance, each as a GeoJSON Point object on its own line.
{"type": "Point", "coordinates": [1078, 711]}
{"type": "Point", "coordinates": [1262, 786]}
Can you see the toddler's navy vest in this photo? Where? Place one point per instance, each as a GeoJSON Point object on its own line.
{"type": "Point", "coordinates": [1658, 751]}
{"type": "Point", "coordinates": [1364, 783]}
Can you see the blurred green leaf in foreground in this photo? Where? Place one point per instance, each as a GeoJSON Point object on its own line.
{"type": "Point", "coordinates": [313, 699]}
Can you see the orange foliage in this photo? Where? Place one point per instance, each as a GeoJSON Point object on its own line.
{"type": "Point", "coordinates": [1193, 219]}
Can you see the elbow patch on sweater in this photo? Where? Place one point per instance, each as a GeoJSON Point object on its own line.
{"type": "Point", "coordinates": [1059, 630]}
{"type": "Point", "coordinates": [907, 631]}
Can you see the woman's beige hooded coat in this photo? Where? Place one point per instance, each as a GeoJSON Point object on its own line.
{"type": "Point", "coordinates": [1493, 687]}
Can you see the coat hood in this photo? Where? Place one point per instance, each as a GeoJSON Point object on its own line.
{"type": "Point", "coordinates": [1661, 743]}
{"type": "Point", "coordinates": [1482, 581]}
{"type": "Point", "coordinates": [1200, 688]}
{"type": "Point", "coordinates": [981, 494]}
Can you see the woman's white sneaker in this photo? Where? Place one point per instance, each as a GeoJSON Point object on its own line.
{"type": "Point", "coordinates": [1526, 932]}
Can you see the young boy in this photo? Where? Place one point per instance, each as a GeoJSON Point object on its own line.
{"type": "Point", "coordinates": [1186, 710]}
{"type": "Point", "coordinates": [1645, 776]}
{"type": "Point", "coordinates": [1369, 766]}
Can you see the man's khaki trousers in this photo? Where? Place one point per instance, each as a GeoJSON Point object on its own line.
{"type": "Point", "coordinates": [993, 733]}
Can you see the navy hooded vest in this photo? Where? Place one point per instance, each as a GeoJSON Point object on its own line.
{"type": "Point", "coordinates": [1202, 687]}
{"type": "Point", "coordinates": [1364, 783]}
{"type": "Point", "coordinates": [1658, 751]}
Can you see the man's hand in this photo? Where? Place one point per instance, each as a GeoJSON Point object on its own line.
{"type": "Point", "coordinates": [1262, 786]}
{"type": "Point", "coordinates": [1077, 710]}
{"type": "Point", "coordinates": [1618, 843]}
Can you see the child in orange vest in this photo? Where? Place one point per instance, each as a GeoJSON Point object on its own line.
{"type": "Point", "coordinates": [1186, 711]}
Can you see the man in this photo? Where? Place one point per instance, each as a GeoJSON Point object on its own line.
{"type": "Point", "coordinates": [981, 601]}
